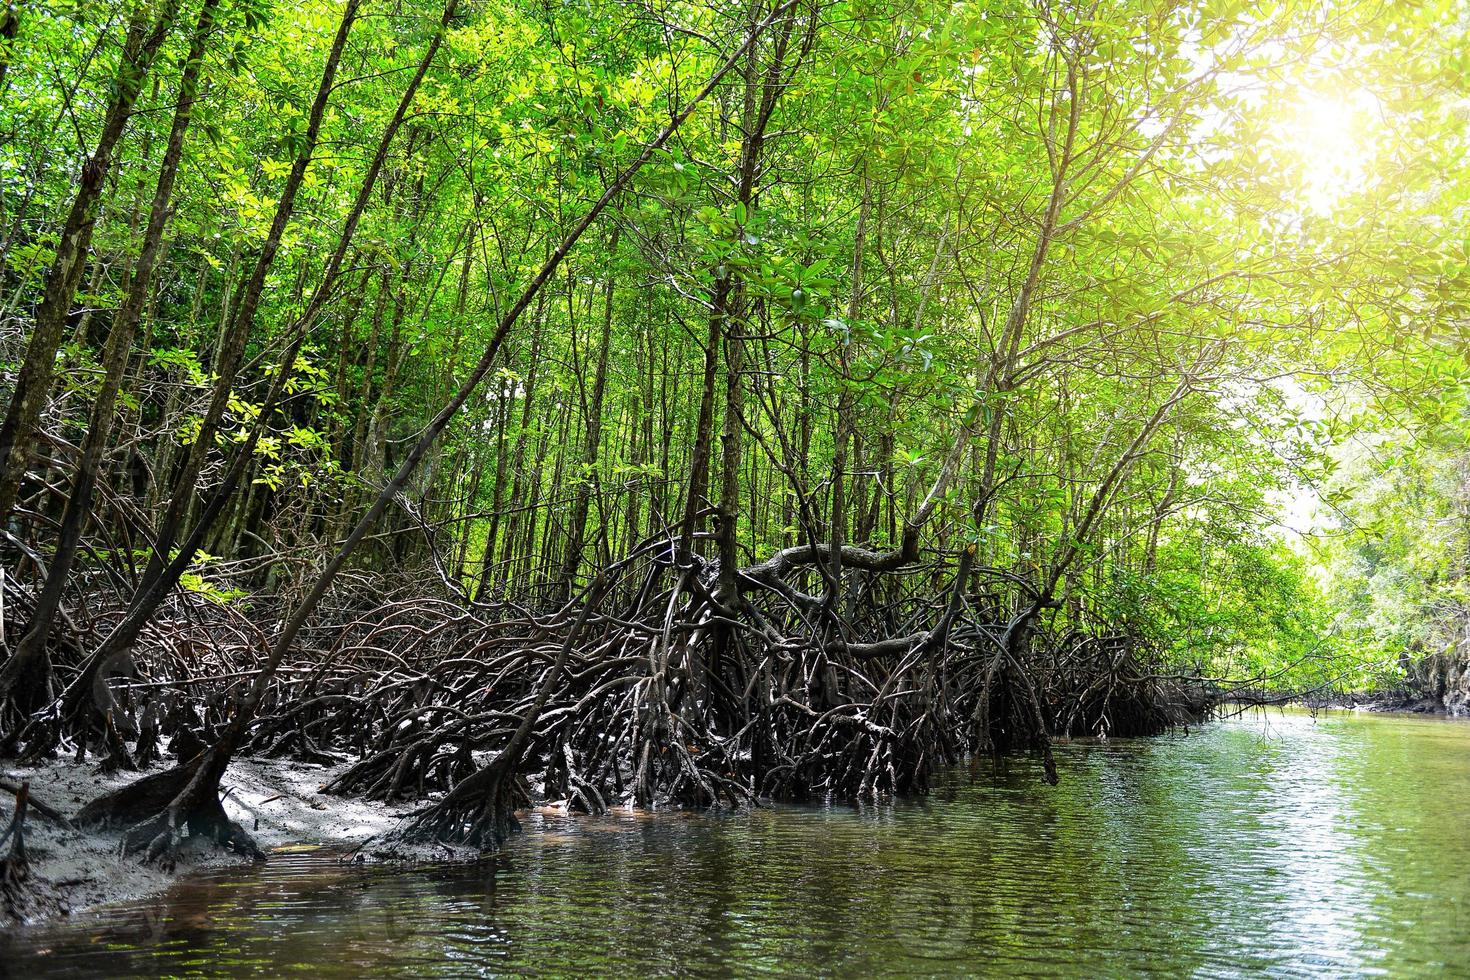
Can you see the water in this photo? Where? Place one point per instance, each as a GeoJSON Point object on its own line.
{"type": "Point", "coordinates": [1273, 843]}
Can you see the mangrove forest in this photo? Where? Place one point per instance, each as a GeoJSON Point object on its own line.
{"type": "Point", "coordinates": [493, 408]}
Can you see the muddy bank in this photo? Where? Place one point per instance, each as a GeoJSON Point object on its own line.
{"type": "Point", "coordinates": [1412, 702]}
{"type": "Point", "coordinates": [1435, 684]}
{"type": "Point", "coordinates": [71, 870]}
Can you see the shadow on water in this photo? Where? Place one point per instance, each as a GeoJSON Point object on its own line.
{"type": "Point", "coordinates": [1274, 843]}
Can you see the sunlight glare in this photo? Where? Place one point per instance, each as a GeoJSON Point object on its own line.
{"type": "Point", "coordinates": [1325, 135]}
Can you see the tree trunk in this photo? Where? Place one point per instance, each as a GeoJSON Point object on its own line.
{"type": "Point", "coordinates": [577, 521]}
{"type": "Point", "coordinates": [33, 383]}
{"type": "Point", "coordinates": [31, 653]}
{"type": "Point", "coordinates": [163, 572]}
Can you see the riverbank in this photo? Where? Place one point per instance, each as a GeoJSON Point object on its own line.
{"type": "Point", "coordinates": [280, 804]}
{"type": "Point", "coordinates": [1438, 683]}
{"type": "Point", "coordinates": [1343, 834]}
{"type": "Point", "coordinates": [1378, 702]}
{"type": "Point", "coordinates": [71, 870]}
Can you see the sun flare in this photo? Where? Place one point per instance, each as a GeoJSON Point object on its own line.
{"type": "Point", "coordinates": [1324, 134]}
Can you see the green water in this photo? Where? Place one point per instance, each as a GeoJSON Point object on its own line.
{"type": "Point", "coordinates": [1271, 844]}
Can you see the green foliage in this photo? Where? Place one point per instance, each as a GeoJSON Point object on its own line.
{"type": "Point", "coordinates": [1310, 310]}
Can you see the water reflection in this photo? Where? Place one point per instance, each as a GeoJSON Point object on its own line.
{"type": "Point", "coordinates": [1276, 843]}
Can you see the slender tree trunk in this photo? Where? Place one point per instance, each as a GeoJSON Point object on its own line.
{"type": "Point", "coordinates": [577, 526]}
{"type": "Point", "coordinates": [518, 456]}
{"type": "Point", "coordinates": [696, 498]}
{"type": "Point", "coordinates": [33, 383]}
{"type": "Point", "coordinates": [237, 333]}
{"type": "Point", "coordinates": [30, 654]}
{"type": "Point", "coordinates": [163, 570]}
{"type": "Point", "coordinates": [497, 498]}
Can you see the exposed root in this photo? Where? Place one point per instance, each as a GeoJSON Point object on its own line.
{"type": "Point", "coordinates": [25, 687]}
{"type": "Point", "coordinates": [653, 693]}
{"type": "Point", "coordinates": [22, 892]}
{"type": "Point", "coordinates": [161, 837]}
{"type": "Point", "coordinates": [162, 810]}
{"type": "Point", "coordinates": [478, 813]}
{"type": "Point", "coordinates": [15, 867]}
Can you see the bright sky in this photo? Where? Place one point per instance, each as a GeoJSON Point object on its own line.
{"type": "Point", "coordinates": [1327, 134]}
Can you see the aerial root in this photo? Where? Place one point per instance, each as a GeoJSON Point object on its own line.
{"type": "Point", "coordinates": [23, 893]}
{"type": "Point", "coordinates": [655, 694]}
{"type": "Point", "coordinates": [478, 813]}
{"type": "Point", "coordinates": [162, 810]}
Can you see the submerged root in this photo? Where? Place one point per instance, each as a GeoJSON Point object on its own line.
{"type": "Point", "coordinates": [478, 813]}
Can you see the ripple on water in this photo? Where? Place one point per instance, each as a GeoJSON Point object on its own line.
{"type": "Point", "coordinates": [1273, 843]}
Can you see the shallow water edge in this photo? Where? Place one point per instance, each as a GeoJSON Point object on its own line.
{"type": "Point", "coordinates": [1275, 842]}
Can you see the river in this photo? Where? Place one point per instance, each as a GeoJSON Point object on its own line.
{"type": "Point", "coordinates": [1274, 842]}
